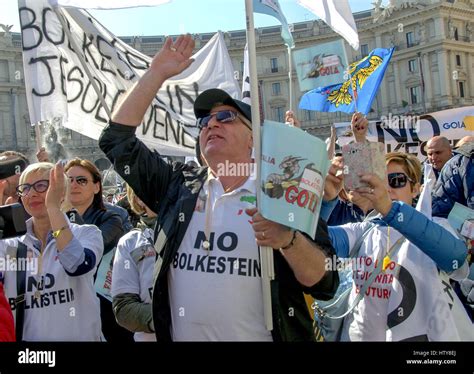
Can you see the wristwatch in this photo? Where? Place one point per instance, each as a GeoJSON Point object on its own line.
{"type": "Point", "coordinates": [58, 232]}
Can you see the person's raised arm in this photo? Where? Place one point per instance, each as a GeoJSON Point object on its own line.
{"type": "Point", "coordinates": [172, 59]}
{"type": "Point", "coordinates": [54, 198]}
{"type": "Point", "coordinates": [291, 119]}
{"type": "Point", "coordinates": [360, 126]}
{"type": "Point", "coordinates": [42, 155]}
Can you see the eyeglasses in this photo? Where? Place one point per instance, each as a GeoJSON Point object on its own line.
{"type": "Point", "coordinates": [39, 186]}
{"type": "Point", "coordinates": [223, 116]}
{"type": "Point", "coordinates": [80, 180]}
{"type": "Point", "coordinates": [398, 180]}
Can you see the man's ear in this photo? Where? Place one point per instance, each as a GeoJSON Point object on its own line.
{"type": "Point", "coordinates": [250, 143]}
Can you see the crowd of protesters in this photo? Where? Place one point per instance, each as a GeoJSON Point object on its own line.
{"type": "Point", "coordinates": [149, 267]}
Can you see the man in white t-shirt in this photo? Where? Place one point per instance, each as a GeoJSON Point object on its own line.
{"type": "Point", "coordinates": [208, 285]}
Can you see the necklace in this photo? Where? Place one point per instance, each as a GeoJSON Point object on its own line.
{"type": "Point", "coordinates": [386, 259]}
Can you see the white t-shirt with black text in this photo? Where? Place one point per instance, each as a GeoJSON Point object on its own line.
{"type": "Point", "coordinates": [216, 294]}
{"type": "Point", "coordinates": [368, 321]}
{"type": "Point", "coordinates": [58, 306]}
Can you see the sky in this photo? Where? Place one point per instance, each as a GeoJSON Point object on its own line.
{"type": "Point", "coordinates": [182, 16]}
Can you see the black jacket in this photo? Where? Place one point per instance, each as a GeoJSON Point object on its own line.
{"type": "Point", "coordinates": [172, 191]}
{"type": "Point", "coordinates": [108, 222]}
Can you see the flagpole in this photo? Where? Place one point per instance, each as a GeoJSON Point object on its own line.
{"type": "Point", "coordinates": [354, 93]}
{"type": "Point", "coordinates": [290, 76]}
{"type": "Point", "coordinates": [332, 143]}
{"type": "Point", "coordinates": [77, 50]}
{"type": "Point", "coordinates": [266, 253]}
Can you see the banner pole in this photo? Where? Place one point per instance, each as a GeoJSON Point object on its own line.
{"type": "Point", "coordinates": [290, 76]}
{"type": "Point", "coordinates": [38, 136]}
{"type": "Point", "coordinates": [266, 253]}
{"type": "Point", "coordinates": [59, 13]}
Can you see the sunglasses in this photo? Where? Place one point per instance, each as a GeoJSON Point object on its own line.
{"type": "Point", "coordinates": [39, 186]}
{"type": "Point", "coordinates": [398, 180]}
{"type": "Point", "coordinates": [223, 116]}
{"type": "Point", "coordinates": [80, 180]}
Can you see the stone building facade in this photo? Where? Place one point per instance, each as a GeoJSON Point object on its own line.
{"type": "Point", "coordinates": [432, 68]}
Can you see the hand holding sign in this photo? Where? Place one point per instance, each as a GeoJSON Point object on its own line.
{"type": "Point", "coordinates": [362, 158]}
{"type": "Point", "coordinates": [359, 125]}
{"type": "Point", "coordinates": [334, 180]}
{"type": "Point", "coordinates": [269, 233]}
{"type": "Point", "coordinates": [377, 193]}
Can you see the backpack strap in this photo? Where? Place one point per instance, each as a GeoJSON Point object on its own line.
{"type": "Point", "coordinates": [20, 291]}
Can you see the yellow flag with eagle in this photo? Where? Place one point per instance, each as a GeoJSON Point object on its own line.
{"type": "Point", "coordinates": [357, 92]}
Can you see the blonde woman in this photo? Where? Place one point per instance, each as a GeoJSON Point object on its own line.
{"type": "Point", "coordinates": [400, 292]}
{"type": "Point", "coordinates": [59, 302]}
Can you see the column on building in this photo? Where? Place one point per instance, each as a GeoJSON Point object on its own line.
{"type": "Point", "coordinates": [378, 41]}
{"type": "Point", "coordinates": [425, 61]}
{"type": "Point", "coordinates": [398, 90]}
{"type": "Point", "coordinates": [453, 67]}
{"type": "Point", "coordinates": [470, 72]}
{"type": "Point", "coordinates": [439, 28]}
{"type": "Point", "coordinates": [385, 96]}
{"type": "Point", "coordinates": [11, 70]}
{"type": "Point", "coordinates": [384, 88]}
{"type": "Point", "coordinates": [445, 74]}
{"type": "Point", "coordinates": [13, 103]}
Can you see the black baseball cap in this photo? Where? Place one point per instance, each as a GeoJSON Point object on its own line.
{"type": "Point", "coordinates": [209, 98]}
{"type": "Point", "coordinates": [11, 166]}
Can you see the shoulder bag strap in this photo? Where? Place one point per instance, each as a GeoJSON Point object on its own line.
{"type": "Point", "coordinates": [355, 250]}
{"type": "Point", "coordinates": [367, 284]}
{"type": "Point", "coordinates": [20, 287]}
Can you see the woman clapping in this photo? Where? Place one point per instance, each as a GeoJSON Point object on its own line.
{"type": "Point", "coordinates": [58, 299]}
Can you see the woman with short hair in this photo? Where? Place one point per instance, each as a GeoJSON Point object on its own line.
{"type": "Point", "coordinates": [431, 245]}
{"type": "Point", "coordinates": [58, 300]}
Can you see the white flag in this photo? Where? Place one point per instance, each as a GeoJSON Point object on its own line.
{"type": "Point", "coordinates": [338, 15]}
{"type": "Point", "coordinates": [246, 78]}
{"type": "Point", "coordinates": [272, 8]}
{"type": "Point", "coordinates": [57, 85]}
{"type": "Point", "coordinates": [106, 4]}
